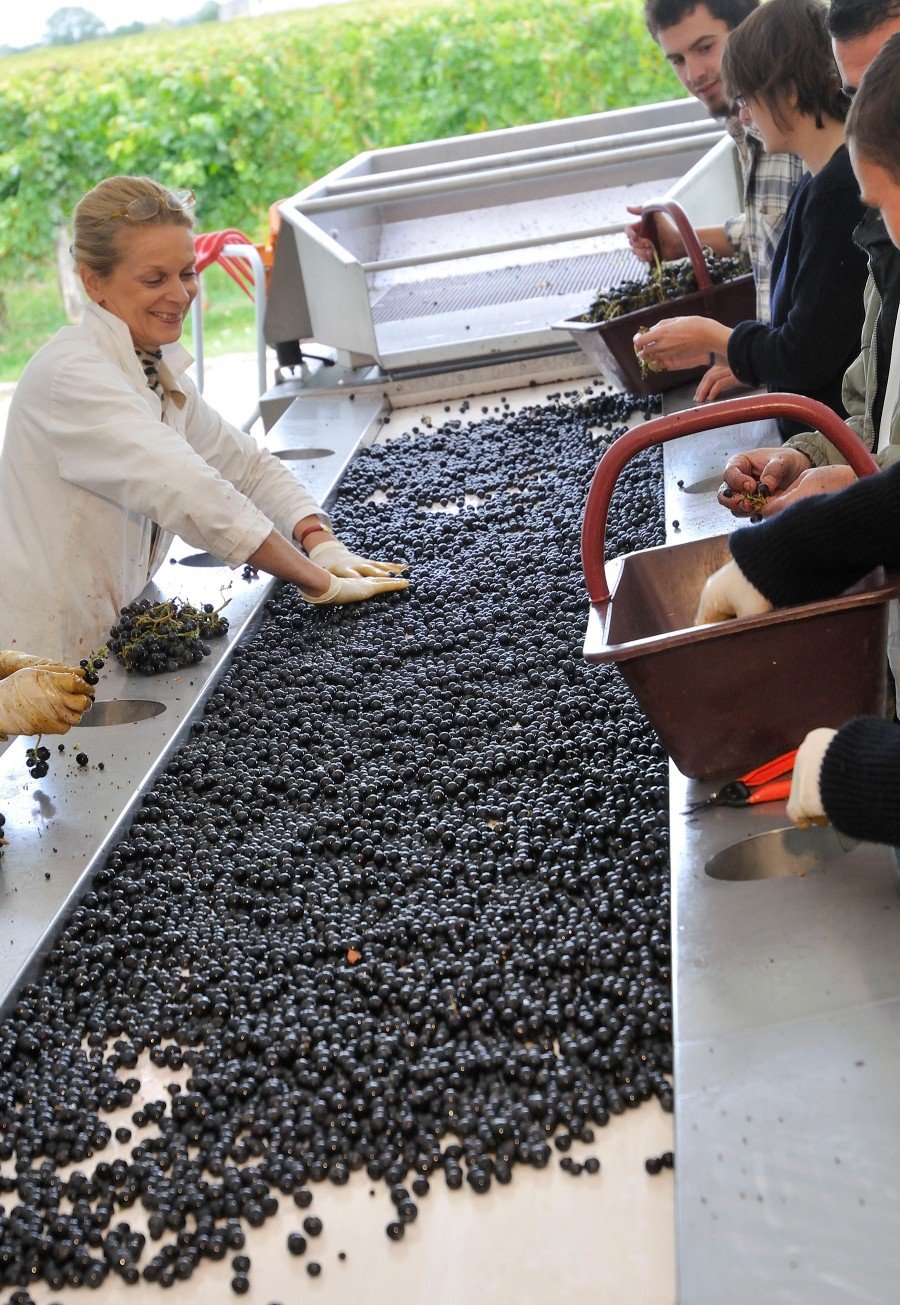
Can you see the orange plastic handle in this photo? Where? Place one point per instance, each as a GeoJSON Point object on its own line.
{"type": "Point", "coordinates": [771, 769]}
{"type": "Point", "coordinates": [778, 791]}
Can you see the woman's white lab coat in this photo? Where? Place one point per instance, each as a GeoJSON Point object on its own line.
{"type": "Point", "coordinates": [96, 476]}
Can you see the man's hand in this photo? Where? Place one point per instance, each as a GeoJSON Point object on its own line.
{"type": "Point", "coordinates": [727, 595]}
{"type": "Point", "coordinates": [670, 242]}
{"type": "Point", "coordinates": [39, 701]}
{"type": "Point", "coordinates": [336, 558]}
{"type": "Point", "coordinates": [355, 589]}
{"type": "Point", "coordinates": [776, 469]}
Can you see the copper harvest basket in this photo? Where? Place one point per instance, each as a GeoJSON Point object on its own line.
{"type": "Point", "coordinates": [610, 345]}
{"type": "Point", "coordinates": [726, 697]}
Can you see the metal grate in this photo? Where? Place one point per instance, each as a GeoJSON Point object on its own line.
{"type": "Point", "coordinates": [504, 285]}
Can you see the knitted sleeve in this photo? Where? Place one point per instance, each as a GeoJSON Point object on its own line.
{"type": "Point", "coordinates": [860, 780]}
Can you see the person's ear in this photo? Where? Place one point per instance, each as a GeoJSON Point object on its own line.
{"type": "Point", "coordinates": [93, 283]}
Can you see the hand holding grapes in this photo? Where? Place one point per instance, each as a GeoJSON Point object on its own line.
{"type": "Point", "coordinates": [682, 342]}
{"type": "Point", "coordinates": [35, 700]}
{"type": "Point", "coordinates": [11, 661]}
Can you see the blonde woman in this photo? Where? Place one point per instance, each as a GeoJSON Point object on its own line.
{"type": "Point", "coordinates": [110, 450]}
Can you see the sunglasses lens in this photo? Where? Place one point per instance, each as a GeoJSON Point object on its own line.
{"type": "Point", "coordinates": [144, 207]}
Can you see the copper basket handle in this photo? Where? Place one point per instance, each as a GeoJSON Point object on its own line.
{"type": "Point", "coordinates": [685, 230]}
{"type": "Point", "coordinates": [660, 430]}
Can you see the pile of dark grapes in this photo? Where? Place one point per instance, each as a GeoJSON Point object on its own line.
{"type": "Point", "coordinates": [669, 280]}
{"type": "Point", "coordinates": [155, 637]}
{"type": "Point", "coordinates": [399, 904]}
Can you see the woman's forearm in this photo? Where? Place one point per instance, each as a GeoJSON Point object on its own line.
{"type": "Point", "coordinates": [306, 529]}
{"type": "Point", "coordinates": [279, 557]}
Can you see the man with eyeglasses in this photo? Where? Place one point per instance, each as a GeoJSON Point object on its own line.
{"type": "Point", "coordinates": [692, 37]}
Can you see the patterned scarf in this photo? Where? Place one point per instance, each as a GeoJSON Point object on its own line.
{"type": "Point", "coordinates": [150, 360]}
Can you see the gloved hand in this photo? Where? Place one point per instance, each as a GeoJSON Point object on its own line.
{"type": "Point", "coordinates": [335, 557]}
{"type": "Point", "coordinates": [804, 806]}
{"type": "Point", "coordinates": [728, 594]}
{"type": "Point", "coordinates": [355, 589]}
{"type": "Point", "coordinates": [39, 701]}
{"type": "Point", "coordinates": [10, 662]}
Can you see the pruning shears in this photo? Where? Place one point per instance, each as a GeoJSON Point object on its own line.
{"type": "Point", "coordinates": [770, 782]}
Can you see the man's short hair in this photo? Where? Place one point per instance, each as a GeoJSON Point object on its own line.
{"type": "Point", "coordinates": [660, 14]}
{"type": "Point", "coordinates": [873, 124]}
{"type": "Point", "coordinates": [848, 19]}
{"type": "Point", "coordinates": [782, 50]}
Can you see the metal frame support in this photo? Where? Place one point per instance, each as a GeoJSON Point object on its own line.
{"type": "Point", "coordinates": [252, 256]}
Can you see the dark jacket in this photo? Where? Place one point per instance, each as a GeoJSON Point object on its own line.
{"type": "Point", "coordinates": [818, 277]}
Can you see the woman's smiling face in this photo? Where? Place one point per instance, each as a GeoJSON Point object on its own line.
{"type": "Point", "coordinates": [152, 286]}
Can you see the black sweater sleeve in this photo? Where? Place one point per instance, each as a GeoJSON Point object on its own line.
{"type": "Point", "coordinates": [809, 348]}
{"type": "Point", "coordinates": [860, 780]}
{"type": "Point", "coordinates": [822, 546]}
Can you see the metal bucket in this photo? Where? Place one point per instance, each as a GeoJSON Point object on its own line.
{"type": "Point", "coordinates": [725, 697]}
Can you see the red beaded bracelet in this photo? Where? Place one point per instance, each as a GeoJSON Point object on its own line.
{"type": "Point", "coordinates": [313, 530]}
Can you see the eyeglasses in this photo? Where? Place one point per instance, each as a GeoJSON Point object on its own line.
{"type": "Point", "coordinates": [740, 101]}
{"type": "Point", "coordinates": [147, 206]}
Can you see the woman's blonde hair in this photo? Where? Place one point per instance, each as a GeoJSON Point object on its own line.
{"type": "Point", "coordinates": [96, 242]}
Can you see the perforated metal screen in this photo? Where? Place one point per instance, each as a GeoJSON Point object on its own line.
{"type": "Point", "coordinates": [558, 276]}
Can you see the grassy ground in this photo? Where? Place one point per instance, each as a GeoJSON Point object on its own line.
{"type": "Point", "coordinates": [33, 311]}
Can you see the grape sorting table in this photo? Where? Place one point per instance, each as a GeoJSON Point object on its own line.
{"type": "Point", "coordinates": [786, 1008]}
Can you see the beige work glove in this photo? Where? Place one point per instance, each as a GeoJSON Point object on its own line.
{"type": "Point", "coordinates": [335, 557]}
{"type": "Point", "coordinates": [355, 589]}
{"type": "Point", "coordinates": [728, 594]}
{"type": "Point", "coordinates": [40, 701]}
{"type": "Point", "coordinates": [10, 662]}
{"type": "Point", "coordinates": [804, 805]}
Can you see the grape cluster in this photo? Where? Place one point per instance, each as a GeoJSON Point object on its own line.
{"type": "Point", "coordinates": [37, 759]}
{"type": "Point", "coordinates": [669, 280]}
{"type": "Point", "coordinates": [154, 637]}
{"type": "Point", "coordinates": [92, 665]}
{"type": "Point", "coordinates": [755, 500]}
{"type": "Point", "coordinates": [647, 365]}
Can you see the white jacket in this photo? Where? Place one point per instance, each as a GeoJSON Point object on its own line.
{"type": "Point", "coordinates": [92, 458]}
